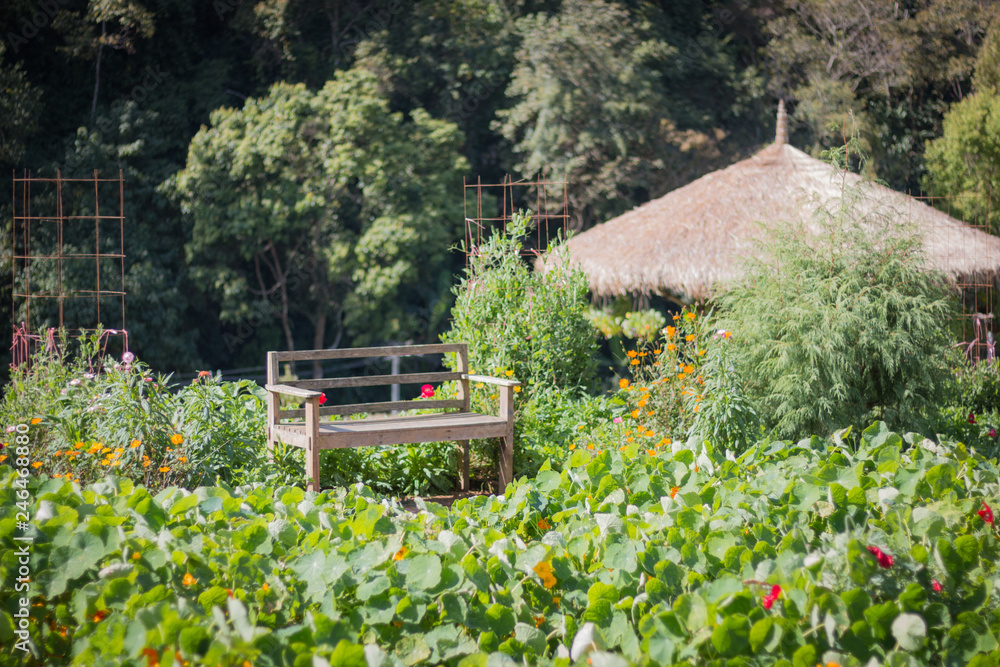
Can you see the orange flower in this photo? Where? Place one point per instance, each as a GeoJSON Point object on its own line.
{"type": "Point", "coordinates": [651, 452]}
{"type": "Point", "coordinates": [135, 443]}
{"type": "Point", "coordinates": [689, 337]}
{"type": "Point", "coordinates": [635, 414]}
{"type": "Point", "coordinates": [544, 524]}
{"type": "Point", "coordinates": [182, 459]}
{"type": "Point", "coordinates": [544, 572]}
{"type": "Point", "coordinates": [100, 615]}
{"type": "Point", "coordinates": [632, 354]}
{"type": "Point", "coordinates": [36, 465]}
{"type": "Point", "coordinates": [572, 447]}
{"type": "Point", "coordinates": [643, 402]}
{"type": "Point", "coordinates": [670, 333]}
{"type": "Point", "coordinates": [401, 554]}
{"type": "Point", "coordinates": [204, 374]}
{"type": "Point", "coordinates": [78, 445]}
{"type": "Point", "coordinates": [689, 317]}
{"type": "Point", "coordinates": [176, 439]}
{"type": "Point", "coordinates": [681, 376]}
{"type": "Point", "coordinates": [36, 420]}
{"type": "Point", "coordinates": [539, 620]}
{"type": "Point", "coordinates": [623, 383]}
{"type": "Point", "coordinates": [152, 657]}
{"type": "Point", "coordinates": [590, 445]}
{"type": "Point", "coordinates": [674, 490]}
{"type": "Point", "coordinates": [136, 556]}
{"type": "Point", "coordinates": [146, 463]}
{"type": "Point", "coordinates": [165, 469]}
{"type": "Point", "coordinates": [671, 347]}
{"type": "Point", "coordinates": [657, 351]}
{"type": "Point", "coordinates": [688, 369]}
{"type": "Point", "coordinates": [265, 587]}
{"type": "Point", "coordinates": [634, 362]}
{"type": "Point", "coordinates": [188, 579]}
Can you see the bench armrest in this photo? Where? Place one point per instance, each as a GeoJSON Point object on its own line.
{"type": "Point", "coordinates": [486, 379]}
{"type": "Point", "coordinates": [292, 391]}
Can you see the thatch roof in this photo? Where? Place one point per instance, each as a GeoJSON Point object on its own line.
{"type": "Point", "coordinates": [692, 238]}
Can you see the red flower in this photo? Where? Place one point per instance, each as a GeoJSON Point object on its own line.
{"type": "Point", "coordinates": [229, 592]}
{"type": "Point", "coordinates": [936, 585]}
{"type": "Point", "coordinates": [770, 599]}
{"type": "Point", "coordinates": [427, 391]}
{"type": "Point", "coordinates": [322, 399]}
{"type": "Point", "coordinates": [884, 559]}
{"type": "Point", "coordinates": [971, 418]}
{"type": "Point", "coordinates": [986, 513]}
{"type": "Point", "coordinates": [993, 433]}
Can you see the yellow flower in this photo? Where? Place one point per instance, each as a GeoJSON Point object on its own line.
{"type": "Point", "coordinates": [544, 572]}
{"type": "Point", "coordinates": [176, 439]}
{"type": "Point", "coordinates": [36, 420]}
{"type": "Point", "coordinates": [36, 464]}
{"type": "Point", "coordinates": [136, 556]}
{"type": "Point", "coordinates": [623, 383]}
{"type": "Point", "coordinates": [165, 469]}
{"type": "Point", "coordinates": [188, 579]}
{"type": "Point", "coordinates": [119, 450]}
{"type": "Point", "coordinates": [493, 397]}
{"type": "Point", "coordinates": [3, 457]}
{"type": "Point", "coordinates": [509, 373]}
{"type": "Point", "coordinates": [135, 443]}
{"type": "Point", "coordinates": [105, 450]}
{"type": "Point", "coordinates": [572, 447]}
{"type": "Point", "coordinates": [517, 390]}
{"type": "Point", "coordinates": [106, 462]}
{"type": "Point", "coordinates": [689, 317]}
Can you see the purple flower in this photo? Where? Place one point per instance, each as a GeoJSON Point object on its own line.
{"type": "Point", "coordinates": [128, 357]}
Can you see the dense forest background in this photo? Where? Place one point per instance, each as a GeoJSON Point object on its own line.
{"type": "Point", "coordinates": [294, 167]}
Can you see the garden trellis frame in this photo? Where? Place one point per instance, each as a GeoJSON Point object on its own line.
{"type": "Point", "coordinates": [548, 214]}
{"type": "Point", "coordinates": [40, 243]}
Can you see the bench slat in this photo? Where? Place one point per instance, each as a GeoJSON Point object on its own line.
{"type": "Point", "coordinates": [397, 430]}
{"type": "Point", "coordinates": [374, 380]}
{"type": "Point", "coordinates": [361, 352]}
{"type": "Point", "coordinates": [356, 408]}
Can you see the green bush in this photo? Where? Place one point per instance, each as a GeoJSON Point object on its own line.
{"type": "Point", "coordinates": [837, 322]}
{"type": "Point", "coordinates": [516, 319]}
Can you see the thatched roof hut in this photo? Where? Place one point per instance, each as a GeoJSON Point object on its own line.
{"type": "Point", "coordinates": [692, 238]}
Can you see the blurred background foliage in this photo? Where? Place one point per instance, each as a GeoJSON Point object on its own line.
{"type": "Point", "coordinates": [627, 100]}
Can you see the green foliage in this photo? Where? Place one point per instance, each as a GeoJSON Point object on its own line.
{"type": "Point", "coordinates": [621, 558]}
{"type": "Point", "coordinates": [515, 319]}
{"type": "Point", "coordinates": [838, 321]}
{"type": "Point", "coordinates": [328, 206]}
{"type": "Point", "coordinates": [96, 415]}
{"type": "Point", "coordinates": [410, 470]}
{"type": "Point", "coordinates": [965, 161]}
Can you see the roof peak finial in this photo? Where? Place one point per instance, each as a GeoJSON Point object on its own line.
{"type": "Point", "coordinates": [781, 131]}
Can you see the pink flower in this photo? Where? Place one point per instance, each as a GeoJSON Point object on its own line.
{"type": "Point", "coordinates": [769, 600]}
{"type": "Point", "coordinates": [617, 420]}
{"type": "Point", "coordinates": [993, 433]}
{"type": "Point", "coordinates": [971, 418]}
{"type": "Point", "coordinates": [884, 559]}
{"type": "Point", "coordinates": [936, 585]}
{"type": "Point", "coordinates": [427, 391]}
{"type": "Point", "coordinates": [986, 513]}
{"type": "Point", "coordinates": [322, 399]}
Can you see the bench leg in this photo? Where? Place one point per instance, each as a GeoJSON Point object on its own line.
{"type": "Point", "coordinates": [506, 460]}
{"type": "Point", "coordinates": [312, 466]}
{"type": "Point", "coordinates": [463, 465]}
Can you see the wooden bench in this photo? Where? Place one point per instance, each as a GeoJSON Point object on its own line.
{"type": "Point", "coordinates": [305, 429]}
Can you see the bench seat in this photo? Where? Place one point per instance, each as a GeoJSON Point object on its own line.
{"type": "Point", "coordinates": [375, 431]}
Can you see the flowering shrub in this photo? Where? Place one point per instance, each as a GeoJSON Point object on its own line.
{"type": "Point", "coordinates": [798, 553]}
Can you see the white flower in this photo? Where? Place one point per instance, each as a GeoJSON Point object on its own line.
{"type": "Point", "coordinates": [128, 357]}
{"type": "Point", "coordinates": [74, 382]}
{"type": "Point", "coordinates": [89, 376]}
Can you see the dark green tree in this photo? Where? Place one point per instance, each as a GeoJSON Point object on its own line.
{"type": "Point", "coordinates": [329, 208]}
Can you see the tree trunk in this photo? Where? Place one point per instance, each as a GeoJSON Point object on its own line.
{"type": "Point", "coordinates": [319, 332]}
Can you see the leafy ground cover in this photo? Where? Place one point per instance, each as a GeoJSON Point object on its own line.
{"type": "Point", "coordinates": [820, 551]}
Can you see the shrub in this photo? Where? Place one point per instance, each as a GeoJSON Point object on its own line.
{"type": "Point", "coordinates": [839, 323]}
{"type": "Point", "coordinates": [515, 319]}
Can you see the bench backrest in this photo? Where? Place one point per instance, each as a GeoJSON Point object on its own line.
{"type": "Point", "coordinates": [462, 362]}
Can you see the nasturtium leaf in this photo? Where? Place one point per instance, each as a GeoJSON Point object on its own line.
{"type": "Point", "coordinates": [765, 635]}
{"type": "Point", "coordinates": [424, 572]}
{"type": "Point", "coordinates": [194, 640]}
{"type": "Point", "coordinates": [412, 649]}
{"type": "Point", "coordinates": [372, 587]}
{"type": "Point", "coordinates": [910, 631]}
{"type": "Point", "coordinates": [475, 572]}
{"type": "Point", "coordinates": [500, 619]}
{"type": "Point", "coordinates": [967, 548]}
{"type": "Point", "coordinates": [692, 611]}
{"type": "Point", "coordinates": [182, 505]}
{"type": "Point", "coordinates": [732, 636]}
{"type": "Point", "coordinates": [804, 656]}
